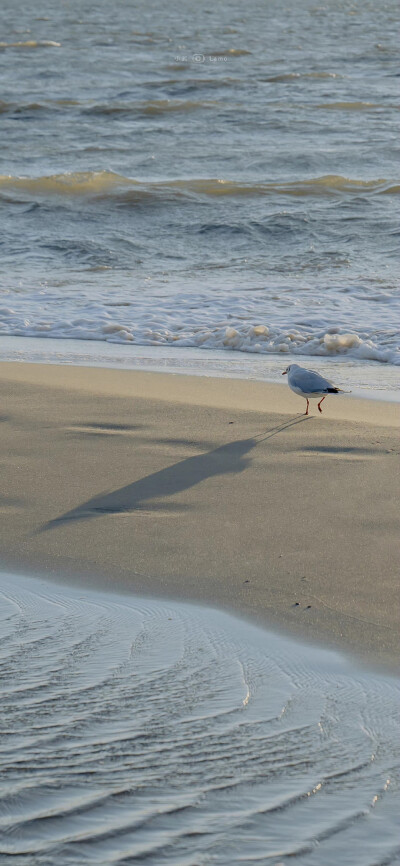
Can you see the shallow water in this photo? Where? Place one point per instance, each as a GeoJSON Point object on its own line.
{"type": "Point", "coordinates": [138, 731]}
{"type": "Point", "coordinates": [361, 378]}
{"type": "Point", "coordinates": [202, 176]}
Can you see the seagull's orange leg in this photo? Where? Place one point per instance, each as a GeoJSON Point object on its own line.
{"type": "Point", "coordinates": [319, 404]}
{"type": "Point", "coordinates": [308, 403]}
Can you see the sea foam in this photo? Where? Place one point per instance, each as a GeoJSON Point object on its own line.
{"type": "Point", "coordinates": [202, 330]}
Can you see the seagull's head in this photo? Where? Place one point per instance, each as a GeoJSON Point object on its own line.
{"type": "Point", "coordinates": [287, 370]}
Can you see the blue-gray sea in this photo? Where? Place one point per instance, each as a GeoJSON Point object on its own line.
{"type": "Point", "coordinates": [215, 175]}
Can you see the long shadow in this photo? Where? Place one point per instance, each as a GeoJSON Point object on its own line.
{"type": "Point", "coordinates": [227, 459]}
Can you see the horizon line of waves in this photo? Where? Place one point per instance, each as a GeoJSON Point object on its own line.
{"type": "Point", "coordinates": [98, 184]}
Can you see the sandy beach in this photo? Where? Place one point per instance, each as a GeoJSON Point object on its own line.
{"type": "Point", "coordinates": [209, 490]}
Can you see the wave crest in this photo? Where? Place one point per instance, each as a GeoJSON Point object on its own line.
{"type": "Point", "coordinates": [255, 338]}
{"type": "Point", "coordinates": [101, 183]}
{"type": "Point", "coordinates": [31, 43]}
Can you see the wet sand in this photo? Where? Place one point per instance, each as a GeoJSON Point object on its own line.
{"type": "Point", "coordinates": [208, 490]}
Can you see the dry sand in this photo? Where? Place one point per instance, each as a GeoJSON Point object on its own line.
{"type": "Point", "coordinates": [213, 490]}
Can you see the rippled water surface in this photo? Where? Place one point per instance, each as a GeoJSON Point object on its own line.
{"type": "Point", "coordinates": [211, 175]}
{"type": "Point", "coordinates": [136, 731]}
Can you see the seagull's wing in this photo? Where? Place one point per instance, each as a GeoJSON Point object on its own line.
{"type": "Point", "coordinates": [311, 382]}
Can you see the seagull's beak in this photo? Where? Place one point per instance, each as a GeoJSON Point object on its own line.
{"type": "Point", "coordinates": [284, 373]}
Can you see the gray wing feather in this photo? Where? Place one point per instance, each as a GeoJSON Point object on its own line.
{"type": "Point", "coordinates": [310, 381]}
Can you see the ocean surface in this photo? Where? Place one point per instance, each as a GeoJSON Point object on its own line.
{"type": "Point", "coordinates": [222, 176]}
{"type": "Point", "coordinates": [138, 731]}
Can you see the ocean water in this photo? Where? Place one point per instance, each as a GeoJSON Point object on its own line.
{"type": "Point", "coordinates": [219, 176]}
{"type": "Point", "coordinates": [138, 731]}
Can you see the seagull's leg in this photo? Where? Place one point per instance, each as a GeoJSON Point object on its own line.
{"type": "Point", "coordinates": [319, 404]}
{"type": "Point", "coordinates": [308, 403]}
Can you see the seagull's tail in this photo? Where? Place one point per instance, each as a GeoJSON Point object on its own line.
{"type": "Point", "coordinates": [337, 390]}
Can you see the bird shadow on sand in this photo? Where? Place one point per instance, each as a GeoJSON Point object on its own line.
{"type": "Point", "coordinates": [231, 458]}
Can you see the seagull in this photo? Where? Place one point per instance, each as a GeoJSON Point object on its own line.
{"type": "Point", "coordinates": [309, 384]}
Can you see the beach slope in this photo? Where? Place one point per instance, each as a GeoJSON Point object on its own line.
{"type": "Point", "coordinates": [212, 490]}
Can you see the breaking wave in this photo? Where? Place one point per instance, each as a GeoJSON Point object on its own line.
{"type": "Point", "coordinates": [31, 43]}
{"type": "Point", "coordinates": [152, 107]}
{"type": "Point", "coordinates": [295, 76]}
{"type": "Point", "coordinates": [108, 183]}
{"type": "Point", "coordinates": [353, 106]}
{"type": "Point", "coordinates": [115, 108]}
{"type": "Point", "coordinates": [204, 333]}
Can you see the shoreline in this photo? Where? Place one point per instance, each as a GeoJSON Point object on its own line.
{"type": "Point", "coordinates": [364, 379]}
{"type": "Point", "coordinates": [205, 491]}
{"type": "Point", "coordinates": [351, 657]}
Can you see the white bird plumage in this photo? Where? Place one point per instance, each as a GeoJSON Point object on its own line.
{"type": "Point", "coordinates": [309, 384]}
